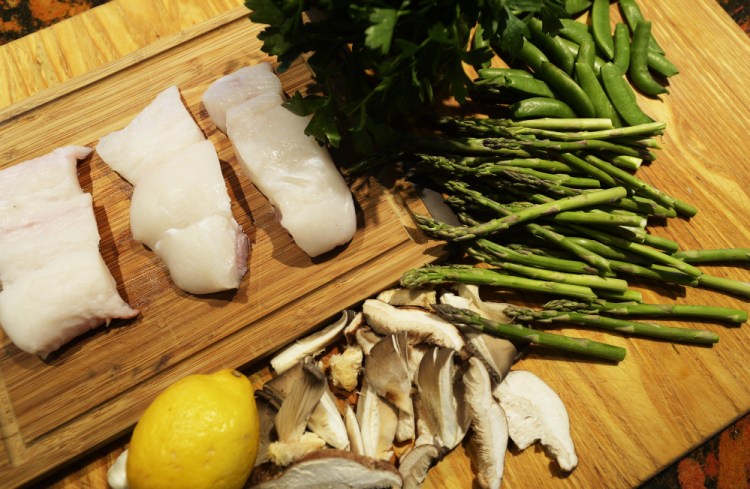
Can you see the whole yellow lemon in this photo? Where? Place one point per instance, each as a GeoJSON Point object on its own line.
{"type": "Point", "coordinates": [200, 432]}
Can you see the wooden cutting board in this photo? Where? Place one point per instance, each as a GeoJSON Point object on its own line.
{"type": "Point", "coordinates": [96, 387]}
{"type": "Point", "coordinates": [629, 420]}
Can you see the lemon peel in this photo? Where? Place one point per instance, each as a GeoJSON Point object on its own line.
{"type": "Point", "coordinates": [200, 432]}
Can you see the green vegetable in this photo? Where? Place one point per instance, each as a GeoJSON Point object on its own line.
{"type": "Point", "coordinates": [621, 57]}
{"type": "Point", "coordinates": [632, 14]}
{"type": "Point", "coordinates": [516, 332]}
{"type": "Point", "coordinates": [380, 63]}
{"type": "Point", "coordinates": [714, 255]}
{"type": "Point", "coordinates": [535, 107]}
{"type": "Point", "coordinates": [638, 70]}
{"type": "Point", "coordinates": [622, 96]}
{"type": "Point", "coordinates": [566, 89]}
{"type": "Point", "coordinates": [601, 28]}
{"type": "Point", "coordinates": [590, 84]}
{"type": "Point", "coordinates": [552, 46]}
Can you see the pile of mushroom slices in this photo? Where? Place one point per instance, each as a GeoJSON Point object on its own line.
{"type": "Point", "coordinates": [394, 389]}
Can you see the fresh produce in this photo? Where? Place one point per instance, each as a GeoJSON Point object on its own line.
{"type": "Point", "coordinates": [202, 431]}
{"type": "Point", "coordinates": [180, 207]}
{"type": "Point", "coordinates": [379, 64]}
{"type": "Point", "coordinates": [418, 388]}
{"type": "Point", "coordinates": [296, 174]}
{"type": "Point", "coordinates": [55, 283]}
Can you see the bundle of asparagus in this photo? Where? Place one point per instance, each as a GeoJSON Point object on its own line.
{"type": "Point", "coordinates": [553, 206]}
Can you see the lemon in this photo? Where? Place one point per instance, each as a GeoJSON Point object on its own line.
{"type": "Point", "coordinates": [200, 432]}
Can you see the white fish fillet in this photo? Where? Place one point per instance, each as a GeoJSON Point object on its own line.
{"type": "Point", "coordinates": [291, 169]}
{"type": "Point", "coordinates": [180, 207]}
{"type": "Point", "coordinates": [235, 88]}
{"type": "Point", "coordinates": [55, 284]}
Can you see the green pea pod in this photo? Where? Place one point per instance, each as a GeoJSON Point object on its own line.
{"type": "Point", "coordinates": [586, 53]}
{"type": "Point", "coordinates": [551, 46]}
{"type": "Point", "coordinates": [600, 26]}
{"type": "Point", "coordinates": [632, 14]}
{"type": "Point", "coordinates": [573, 48]}
{"type": "Point", "coordinates": [622, 47]}
{"type": "Point", "coordinates": [603, 108]}
{"type": "Point", "coordinates": [576, 7]}
{"type": "Point", "coordinates": [566, 89]}
{"type": "Point", "coordinates": [574, 31]}
{"type": "Point", "coordinates": [491, 72]}
{"type": "Point", "coordinates": [528, 86]}
{"type": "Point", "coordinates": [661, 65]}
{"type": "Point", "coordinates": [536, 107]}
{"type": "Point", "coordinates": [638, 71]}
{"type": "Point", "coordinates": [531, 56]}
{"type": "Point", "coordinates": [622, 96]}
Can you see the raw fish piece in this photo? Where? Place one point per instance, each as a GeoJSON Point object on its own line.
{"type": "Point", "coordinates": [38, 182]}
{"type": "Point", "coordinates": [295, 173]}
{"type": "Point", "coordinates": [173, 204]}
{"type": "Point", "coordinates": [235, 88]}
{"type": "Point", "coordinates": [158, 132]}
{"type": "Point", "coordinates": [55, 284]}
{"type": "Point", "coordinates": [291, 169]}
{"type": "Point", "coordinates": [179, 192]}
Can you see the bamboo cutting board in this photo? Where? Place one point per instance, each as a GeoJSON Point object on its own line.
{"type": "Point", "coordinates": [628, 420]}
{"type": "Point", "coordinates": [96, 387]}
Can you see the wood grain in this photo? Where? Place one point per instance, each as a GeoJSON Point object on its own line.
{"type": "Point", "coordinates": [628, 420]}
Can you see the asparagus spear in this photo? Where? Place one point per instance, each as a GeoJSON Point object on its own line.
{"type": "Point", "coordinates": [466, 274]}
{"type": "Point", "coordinates": [656, 310]}
{"type": "Point", "coordinates": [463, 233]}
{"type": "Point", "coordinates": [719, 254]}
{"type": "Point", "coordinates": [464, 317]}
{"type": "Point", "coordinates": [614, 324]}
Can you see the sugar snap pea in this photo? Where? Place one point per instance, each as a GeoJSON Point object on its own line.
{"type": "Point", "coordinates": [622, 96]}
{"type": "Point", "coordinates": [519, 85]}
{"type": "Point", "coordinates": [586, 53]}
{"type": "Point", "coordinates": [551, 46]}
{"type": "Point", "coordinates": [531, 55]}
{"type": "Point", "coordinates": [600, 27]}
{"type": "Point", "coordinates": [638, 71]}
{"type": "Point", "coordinates": [575, 7]}
{"type": "Point", "coordinates": [574, 30]}
{"type": "Point", "coordinates": [490, 72]}
{"type": "Point", "coordinates": [566, 89]}
{"type": "Point", "coordinates": [632, 14]}
{"type": "Point", "coordinates": [622, 47]}
{"type": "Point", "coordinates": [573, 48]}
{"type": "Point", "coordinates": [661, 65]}
{"type": "Point", "coordinates": [599, 99]}
{"type": "Point", "coordinates": [535, 107]}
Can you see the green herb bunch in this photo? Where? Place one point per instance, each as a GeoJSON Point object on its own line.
{"type": "Point", "coordinates": [380, 63]}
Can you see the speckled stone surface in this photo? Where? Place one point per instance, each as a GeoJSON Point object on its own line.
{"type": "Point", "coordinates": [723, 462]}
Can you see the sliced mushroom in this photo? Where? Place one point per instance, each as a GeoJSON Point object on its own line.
{"type": "Point", "coordinates": [427, 326]}
{"type": "Point", "coordinates": [298, 405]}
{"type": "Point", "coordinates": [316, 470]}
{"type": "Point", "coordinates": [408, 297]}
{"type": "Point", "coordinates": [309, 345]}
{"type": "Point", "coordinates": [378, 420]}
{"type": "Point", "coordinates": [435, 383]}
{"type": "Point", "coordinates": [284, 453]}
{"type": "Point", "coordinates": [535, 412]}
{"type": "Point", "coordinates": [415, 464]}
{"type": "Point", "coordinates": [386, 370]}
{"type": "Point", "coordinates": [357, 321]}
{"type": "Point", "coordinates": [490, 310]}
{"type": "Point", "coordinates": [325, 419]}
{"type": "Point", "coordinates": [356, 445]}
{"type": "Point", "coordinates": [268, 406]}
{"type": "Point", "coordinates": [489, 427]}
{"type": "Point", "coordinates": [345, 367]}
{"type": "Point", "coordinates": [366, 338]}
{"type": "Point", "coordinates": [498, 354]}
